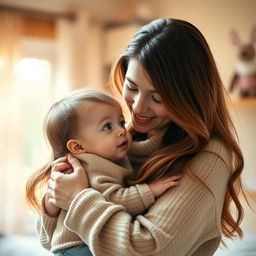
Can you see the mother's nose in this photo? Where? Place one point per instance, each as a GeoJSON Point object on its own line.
{"type": "Point", "coordinates": [139, 104]}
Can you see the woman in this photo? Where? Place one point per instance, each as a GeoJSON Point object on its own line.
{"type": "Point", "coordinates": [170, 83]}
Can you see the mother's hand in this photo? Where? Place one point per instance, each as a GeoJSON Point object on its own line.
{"type": "Point", "coordinates": [65, 185]}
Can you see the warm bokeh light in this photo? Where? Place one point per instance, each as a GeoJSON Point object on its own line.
{"type": "Point", "coordinates": [33, 74]}
{"type": "Point", "coordinates": [33, 69]}
{"type": "Point", "coordinates": [1, 63]}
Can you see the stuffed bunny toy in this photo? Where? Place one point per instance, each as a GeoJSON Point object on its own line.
{"type": "Point", "coordinates": [245, 73]}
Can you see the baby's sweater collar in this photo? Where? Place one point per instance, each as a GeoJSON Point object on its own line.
{"type": "Point", "coordinates": [146, 147]}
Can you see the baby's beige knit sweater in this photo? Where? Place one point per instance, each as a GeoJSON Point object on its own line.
{"type": "Point", "coordinates": [107, 178]}
{"type": "Point", "coordinates": [183, 221]}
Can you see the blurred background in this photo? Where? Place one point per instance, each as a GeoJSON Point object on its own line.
{"type": "Point", "coordinates": [49, 47]}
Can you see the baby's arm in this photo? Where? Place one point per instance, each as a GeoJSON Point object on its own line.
{"type": "Point", "coordinates": [108, 178]}
{"type": "Point", "coordinates": [46, 222]}
{"type": "Point", "coordinates": [139, 197]}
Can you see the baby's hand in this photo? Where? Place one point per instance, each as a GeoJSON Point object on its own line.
{"type": "Point", "coordinates": [160, 186]}
{"type": "Point", "coordinates": [50, 208]}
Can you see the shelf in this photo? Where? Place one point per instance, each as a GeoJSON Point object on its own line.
{"type": "Point", "coordinates": [247, 102]}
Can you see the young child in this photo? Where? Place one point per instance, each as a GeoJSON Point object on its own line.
{"type": "Point", "coordinates": [90, 125]}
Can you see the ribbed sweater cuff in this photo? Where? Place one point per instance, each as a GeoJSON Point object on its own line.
{"type": "Point", "coordinates": [146, 194]}
{"type": "Point", "coordinates": [49, 222]}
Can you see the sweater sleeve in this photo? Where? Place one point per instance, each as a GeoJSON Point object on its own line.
{"type": "Point", "coordinates": [108, 178]}
{"type": "Point", "coordinates": [136, 199]}
{"type": "Point", "coordinates": [45, 226]}
{"type": "Point", "coordinates": [180, 222]}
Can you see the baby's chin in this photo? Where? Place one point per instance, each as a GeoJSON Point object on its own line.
{"type": "Point", "coordinates": [119, 158]}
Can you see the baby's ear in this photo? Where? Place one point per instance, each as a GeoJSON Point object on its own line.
{"type": "Point", "coordinates": [75, 147]}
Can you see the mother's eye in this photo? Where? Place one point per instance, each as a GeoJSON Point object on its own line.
{"type": "Point", "coordinates": [156, 100]}
{"type": "Point", "coordinates": [130, 87]}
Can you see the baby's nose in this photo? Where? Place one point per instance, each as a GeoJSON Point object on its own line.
{"type": "Point", "coordinates": [121, 131]}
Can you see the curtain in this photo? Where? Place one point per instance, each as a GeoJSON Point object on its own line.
{"type": "Point", "coordinates": [77, 64]}
{"type": "Point", "coordinates": [10, 115]}
{"type": "Point", "coordinates": [79, 53]}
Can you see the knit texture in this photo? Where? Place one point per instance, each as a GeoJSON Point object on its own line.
{"type": "Point", "coordinates": [184, 221]}
{"type": "Point", "coordinates": [107, 178]}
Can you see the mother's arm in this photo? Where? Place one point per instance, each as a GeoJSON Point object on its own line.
{"type": "Point", "coordinates": [178, 223]}
{"type": "Point", "coordinates": [171, 227]}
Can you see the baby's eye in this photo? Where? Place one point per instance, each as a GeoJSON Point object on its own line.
{"type": "Point", "coordinates": [122, 123]}
{"type": "Point", "coordinates": [107, 127]}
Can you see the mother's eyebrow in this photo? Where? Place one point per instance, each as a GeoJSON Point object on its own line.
{"type": "Point", "coordinates": [132, 82]}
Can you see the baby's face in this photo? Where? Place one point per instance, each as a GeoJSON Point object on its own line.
{"type": "Point", "coordinates": [102, 131]}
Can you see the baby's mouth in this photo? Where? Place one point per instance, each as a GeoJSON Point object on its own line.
{"type": "Point", "coordinates": [124, 144]}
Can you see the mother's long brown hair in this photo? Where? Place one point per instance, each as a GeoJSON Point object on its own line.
{"type": "Point", "coordinates": [178, 61]}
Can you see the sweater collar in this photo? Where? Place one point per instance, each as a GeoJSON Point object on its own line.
{"type": "Point", "coordinates": [146, 147]}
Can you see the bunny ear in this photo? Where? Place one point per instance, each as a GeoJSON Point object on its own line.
{"type": "Point", "coordinates": [253, 35]}
{"type": "Point", "coordinates": [235, 38]}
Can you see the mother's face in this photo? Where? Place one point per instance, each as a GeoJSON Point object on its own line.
{"type": "Point", "coordinates": [148, 113]}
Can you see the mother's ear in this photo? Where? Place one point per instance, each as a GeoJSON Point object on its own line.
{"type": "Point", "coordinates": [75, 147]}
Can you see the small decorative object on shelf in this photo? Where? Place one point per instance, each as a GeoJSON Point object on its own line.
{"type": "Point", "coordinates": [245, 73]}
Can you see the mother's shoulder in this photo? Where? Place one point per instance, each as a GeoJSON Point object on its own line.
{"type": "Point", "coordinates": [213, 163]}
{"type": "Point", "coordinates": [217, 146]}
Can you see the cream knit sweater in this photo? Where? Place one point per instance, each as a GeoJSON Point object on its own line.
{"type": "Point", "coordinates": [106, 177]}
{"type": "Point", "coordinates": [183, 221]}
